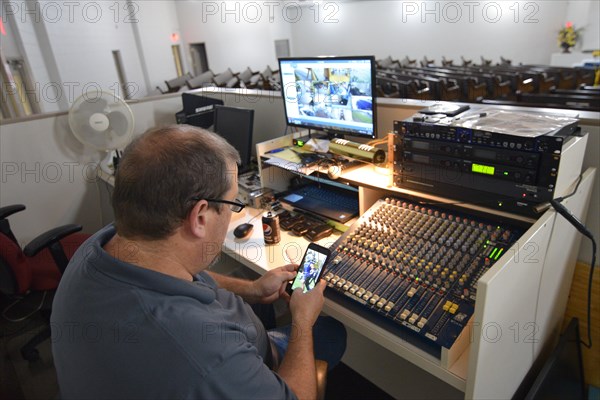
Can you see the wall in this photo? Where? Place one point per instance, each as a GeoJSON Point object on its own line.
{"type": "Point", "coordinates": [157, 21]}
{"type": "Point", "coordinates": [236, 34]}
{"type": "Point", "coordinates": [83, 45]}
{"type": "Point", "coordinates": [435, 29]}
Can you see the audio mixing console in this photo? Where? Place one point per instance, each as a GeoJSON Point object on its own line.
{"type": "Point", "coordinates": [417, 266]}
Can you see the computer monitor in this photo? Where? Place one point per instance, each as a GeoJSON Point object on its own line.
{"type": "Point", "coordinates": [235, 124]}
{"type": "Point", "coordinates": [197, 110]}
{"type": "Point", "coordinates": [332, 94]}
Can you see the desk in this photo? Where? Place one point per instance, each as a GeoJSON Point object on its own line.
{"type": "Point", "coordinates": [522, 297]}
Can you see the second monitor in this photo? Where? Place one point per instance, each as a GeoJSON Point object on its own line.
{"type": "Point", "coordinates": [235, 124]}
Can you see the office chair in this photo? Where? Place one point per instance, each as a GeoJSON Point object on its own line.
{"type": "Point", "coordinates": [36, 268]}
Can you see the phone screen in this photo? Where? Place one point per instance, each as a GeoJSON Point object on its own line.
{"type": "Point", "coordinates": [311, 268]}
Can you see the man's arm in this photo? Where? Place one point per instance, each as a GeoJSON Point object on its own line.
{"type": "Point", "coordinates": [298, 365]}
{"type": "Point", "coordinates": [265, 289]}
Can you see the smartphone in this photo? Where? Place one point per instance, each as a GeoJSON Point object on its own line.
{"type": "Point", "coordinates": [311, 268]}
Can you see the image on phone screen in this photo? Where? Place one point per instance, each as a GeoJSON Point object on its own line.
{"type": "Point", "coordinates": [309, 271]}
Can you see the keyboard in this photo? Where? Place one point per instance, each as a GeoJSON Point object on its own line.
{"type": "Point", "coordinates": [335, 198]}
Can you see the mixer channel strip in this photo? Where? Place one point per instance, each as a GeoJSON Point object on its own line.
{"type": "Point", "coordinates": [417, 266]}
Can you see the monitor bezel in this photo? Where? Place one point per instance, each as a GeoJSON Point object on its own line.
{"type": "Point", "coordinates": [248, 111]}
{"type": "Point", "coordinates": [332, 131]}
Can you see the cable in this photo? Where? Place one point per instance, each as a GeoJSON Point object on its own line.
{"type": "Point", "coordinates": [573, 220]}
{"type": "Point", "coordinates": [14, 303]}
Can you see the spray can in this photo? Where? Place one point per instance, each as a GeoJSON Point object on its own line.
{"type": "Point", "coordinates": [271, 231]}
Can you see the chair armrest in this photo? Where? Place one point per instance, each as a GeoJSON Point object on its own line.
{"type": "Point", "coordinates": [48, 238]}
{"type": "Point", "coordinates": [7, 211]}
{"type": "Point", "coordinates": [51, 240]}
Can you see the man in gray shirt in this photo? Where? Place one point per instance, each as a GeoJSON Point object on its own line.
{"type": "Point", "coordinates": [137, 314]}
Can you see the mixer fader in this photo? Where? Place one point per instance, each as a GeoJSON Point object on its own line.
{"type": "Point", "coordinates": [416, 265]}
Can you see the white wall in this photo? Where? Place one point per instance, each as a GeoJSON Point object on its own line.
{"type": "Point", "coordinates": [511, 29]}
{"type": "Point", "coordinates": [24, 35]}
{"type": "Point", "coordinates": [236, 34]}
{"type": "Point", "coordinates": [585, 16]}
{"type": "Point", "coordinates": [157, 21]}
{"type": "Point", "coordinates": [83, 45]}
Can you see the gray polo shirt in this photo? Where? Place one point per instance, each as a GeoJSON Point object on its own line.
{"type": "Point", "coordinates": [121, 331]}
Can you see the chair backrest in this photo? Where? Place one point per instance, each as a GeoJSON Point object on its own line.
{"type": "Point", "coordinates": [201, 80]}
{"type": "Point", "coordinates": [223, 78]}
{"type": "Point", "coordinates": [15, 271]}
{"type": "Point", "coordinates": [176, 83]}
{"type": "Point", "coordinates": [246, 75]}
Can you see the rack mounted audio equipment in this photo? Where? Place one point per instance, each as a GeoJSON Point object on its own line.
{"type": "Point", "coordinates": [505, 160]}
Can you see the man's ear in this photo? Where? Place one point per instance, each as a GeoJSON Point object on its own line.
{"type": "Point", "coordinates": [197, 218]}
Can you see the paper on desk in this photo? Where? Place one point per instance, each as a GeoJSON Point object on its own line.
{"type": "Point", "coordinates": [289, 165]}
{"type": "Point", "coordinates": [287, 155]}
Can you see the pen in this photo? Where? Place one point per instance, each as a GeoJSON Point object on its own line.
{"type": "Point", "coordinates": [275, 150]}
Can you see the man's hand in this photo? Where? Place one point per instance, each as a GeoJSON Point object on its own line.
{"type": "Point", "coordinates": [306, 307]}
{"type": "Point", "coordinates": [271, 286]}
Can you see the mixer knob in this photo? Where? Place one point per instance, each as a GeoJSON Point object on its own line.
{"type": "Point", "coordinates": [374, 299]}
{"type": "Point", "coordinates": [438, 281]}
{"type": "Point", "coordinates": [506, 235]}
{"type": "Point", "coordinates": [422, 322]}
{"type": "Point", "coordinates": [367, 296]}
{"type": "Point", "coordinates": [389, 306]}
{"type": "Point", "coordinates": [347, 285]}
{"type": "Point", "coordinates": [447, 285]}
{"type": "Point", "coordinates": [413, 318]}
{"type": "Point", "coordinates": [404, 314]}
{"type": "Point", "coordinates": [340, 283]}
{"type": "Point", "coordinates": [335, 279]}
{"type": "Point", "coordinates": [360, 292]}
{"type": "Point", "coordinates": [328, 276]}
{"type": "Point", "coordinates": [353, 289]}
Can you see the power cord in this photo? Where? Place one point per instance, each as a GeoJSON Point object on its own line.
{"type": "Point", "coordinates": [573, 220]}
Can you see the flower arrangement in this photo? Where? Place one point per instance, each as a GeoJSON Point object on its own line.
{"type": "Point", "coordinates": [567, 37]}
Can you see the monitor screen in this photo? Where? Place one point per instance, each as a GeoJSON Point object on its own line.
{"type": "Point", "coordinates": [235, 124]}
{"type": "Point", "coordinates": [332, 94]}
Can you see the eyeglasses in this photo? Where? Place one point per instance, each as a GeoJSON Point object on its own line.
{"type": "Point", "coordinates": [236, 206]}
